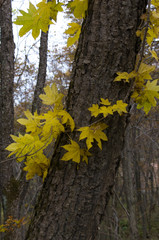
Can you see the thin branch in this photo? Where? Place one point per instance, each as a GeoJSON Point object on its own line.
{"type": "Point", "coordinates": [144, 38]}
{"type": "Point", "coordinates": [121, 204]}
{"type": "Point", "coordinates": [142, 50]}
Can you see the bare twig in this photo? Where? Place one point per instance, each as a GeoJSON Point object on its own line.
{"type": "Point", "coordinates": [121, 204]}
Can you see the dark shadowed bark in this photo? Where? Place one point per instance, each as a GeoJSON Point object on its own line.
{"type": "Point", "coordinates": [6, 98]}
{"type": "Point", "coordinates": [73, 201]}
{"type": "Point", "coordinates": [129, 188]}
{"type": "Point", "coordinates": [36, 105]}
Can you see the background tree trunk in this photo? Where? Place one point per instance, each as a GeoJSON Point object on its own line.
{"type": "Point", "coordinates": [6, 100]}
{"type": "Point", "coordinates": [127, 167]}
{"type": "Point", "coordinates": [36, 105]}
{"type": "Point", "coordinates": [72, 202]}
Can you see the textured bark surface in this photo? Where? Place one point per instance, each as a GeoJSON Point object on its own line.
{"type": "Point", "coordinates": [36, 105]}
{"type": "Point", "coordinates": [129, 188]}
{"type": "Point", "coordinates": [6, 95]}
{"type": "Point", "coordinates": [72, 202]}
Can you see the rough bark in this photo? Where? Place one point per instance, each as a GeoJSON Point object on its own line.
{"type": "Point", "coordinates": [36, 105]}
{"type": "Point", "coordinates": [72, 202]}
{"type": "Point", "coordinates": [127, 166]}
{"type": "Point", "coordinates": [6, 97]}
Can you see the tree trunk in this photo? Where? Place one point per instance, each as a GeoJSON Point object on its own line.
{"type": "Point", "coordinates": [6, 99]}
{"type": "Point", "coordinates": [36, 105]}
{"type": "Point", "coordinates": [127, 166]}
{"type": "Point", "coordinates": [72, 202]}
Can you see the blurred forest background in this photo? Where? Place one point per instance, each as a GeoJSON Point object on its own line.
{"type": "Point", "coordinates": [133, 211]}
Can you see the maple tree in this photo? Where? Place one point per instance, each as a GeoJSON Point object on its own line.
{"type": "Point", "coordinates": [42, 129]}
{"type": "Point", "coordinates": [47, 127]}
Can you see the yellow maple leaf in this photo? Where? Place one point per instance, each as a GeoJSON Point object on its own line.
{"type": "Point", "coordinates": [52, 125]}
{"type": "Point", "coordinates": [146, 98]}
{"type": "Point", "coordinates": [120, 107]}
{"type": "Point", "coordinates": [32, 123]}
{"type": "Point", "coordinates": [74, 31]}
{"type": "Point", "coordinates": [145, 70]}
{"type": "Point", "coordinates": [66, 119]}
{"type": "Point", "coordinates": [54, 9]}
{"type": "Point", "coordinates": [125, 76]}
{"type": "Point", "coordinates": [52, 96]}
{"type": "Point", "coordinates": [85, 154]}
{"type": "Point", "coordinates": [36, 165]}
{"type": "Point", "coordinates": [35, 19]}
{"type": "Point", "coordinates": [21, 146]}
{"type": "Point", "coordinates": [105, 102]}
{"type": "Point", "coordinates": [106, 110]}
{"type": "Point", "coordinates": [93, 132]}
{"type": "Point", "coordinates": [79, 8]}
{"type": "Point", "coordinates": [95, 111]}
{"type": "Point", "coordinates": [154, 54]}
{"type": "Point", "coordinates": [151, 35]}
{"type": "Point", "coordinates": [74, 152]}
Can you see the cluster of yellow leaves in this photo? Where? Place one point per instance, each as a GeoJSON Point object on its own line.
{"type": "Point", "coordinates": [153, 30]}
{"type": "Point", "coordinates": [39, 18]}
{"type": "Point", "coordinates": [93, 132]}
{"type": "Point", "coordinates": [146, 97]}
{"type": "Point", "coordinates": [41, 130]}
{"type": "Point", "coordinates": [146, 90]}
{"type": "Point", "coordinates": [79, 8]}
{"type": "Point", "coordinates": [106, 108]}
{"type": "Point", "coordinates": [11, 224]}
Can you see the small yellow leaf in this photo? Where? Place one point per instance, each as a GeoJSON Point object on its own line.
{"type": "Point", "coordinates": [32, 123]}
{"type": "Point", "coordinates": [85, 154]}
{"type": "Point", "coordinates": [66, 118]}
{"type": "Point", "coordinates": [125, 76]}
{"type": "Point", "coordinates": [93, 132]}
{"type": "Point", "coordinates": [95, 111]}
{"type": "Point", "coordinates": [145, 70]}
{"type": "Point", "coordinates": [154, 54]}
{"type": "Point", "coordinates": [79, 8]}
{"type": "Point", "coordinates": [146, 98]}
{"type": "Point", "coordinates": [73, 153]}
{"type": "Point", "coordinates": [106, 111]}
{"type": "Point", "coordinates": [105, 102]}
{"type": "Point", "coordinates": [52, 96]}
{"type": "Point", "coordinates": [75, 30]}
{"type": "Point", "coordinates": [120, 107]}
